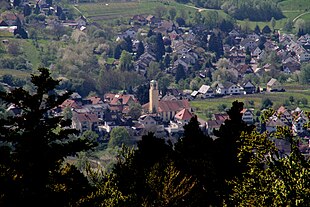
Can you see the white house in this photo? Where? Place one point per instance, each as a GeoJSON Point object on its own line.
{"type": "Point", "coordinates": [206, 91]}
{"type": "Point", "coordinates": [247, 116]}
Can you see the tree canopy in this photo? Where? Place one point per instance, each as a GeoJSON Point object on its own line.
{"type": "Point", "coordinates": [33, 147]}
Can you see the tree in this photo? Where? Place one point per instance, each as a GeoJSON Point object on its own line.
{"type": "Point", "coordinates": [167, 60]}
{"type": "Point", "coordinates": [16, 3]}
{"type": "Point", "coordinates": [304, 75]}
{"type": "Point", "coordinates": [266, 30]}
{"type": "Point", "coordinates": [160, 11]}
{"type": "Point", "coordinates": [90, 136]}
{"type": "Point", "coordinates": [32, 162]}
{"type": "Point", "coordinates": [180, 21]}
{"type": "Point", "coordinates": [180, 73]}
{"type": "Point", "coordinates": [135, 111]}
{"type": "Point", "coordinates": [118, 137]}
{"type": "Point", "coordinates": [117, 51]}
{"type": "Point", "coordinates": [273, 23]}
{"type": "Point", "coordinates": [128, 42]}
{"type": "Point", "coordinates": [37, 9]}
{"type": "Point", "coordinates": [20, 30]}
{"type": "Point", "coordinates": [271, 179]}
{"type": "Point", "coordinates": [172, 13]}
{"type": "Point", "coordinates": [58, 10]}
{"type": "Point", "coordinates": [216, 45]}
{"type": "Point", "coordinates": [288, 26]}
{"type": "Point", "coordinates": [125, 61]}
{"type": "Point", "coordinates": [49, 2]}
{"type": "Point", "coordinates": [159, 47]}
{"type": "Point", "coordinates": [195, 156]}
{"type": "Point", "coordinates": [266, 103]}
{"type": "Point", "coordinates": [140, 49]}
{"type": "Point", "coordinates": [153, 70]}
{"type": "Point", "coordinates": [27, 10]}
{"type": "Point", "coordinates": [248, 56]}
{"type": "Point", "coordinates": [136, 171]}
{"type": "Point", "coordinates": [257, 29]}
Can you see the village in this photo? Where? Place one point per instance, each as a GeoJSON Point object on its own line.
{"type": "Point", "coordinates": [242, 58]}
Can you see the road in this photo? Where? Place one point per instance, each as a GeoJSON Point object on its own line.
{"type": "Point", "coordinates": [300, 15]}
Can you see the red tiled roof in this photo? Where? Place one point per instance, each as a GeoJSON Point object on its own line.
{"type": "Point", "coordinates": [86, 117]}
{"type": "Point", "coordinates": [184, 114]}
{"type": "Point", "coordinates": [95, 100]}
{"type": "Point", "coordinates": [174, 105]}
{"type": "Point", "coordinates": [69, 103]}
{"type": "Point", "coordinates": [281, 110]}
{"type": "Point", "coordinates": [221, 117]}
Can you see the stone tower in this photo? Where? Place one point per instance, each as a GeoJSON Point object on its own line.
{"type": "Point", "coordinates": [153, 105]}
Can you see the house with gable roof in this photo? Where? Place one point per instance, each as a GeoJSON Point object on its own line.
{"type": "Point", "coordinates": [284, 115]}
{"type": "Point", "coordinates": [248, 87]}
{"type": "Point", "coordinates": [205, 91]}
{"type": "Point", "coordinates": [274, 85]}
{"type": "Point", "coordinates": [183, 117]}
{"type": "Point", "coordinates": [247, 116]}
{"type": "Point", "coordinates": [227, 88]}
{"type": "Point", "coordinates": [85, 121]}
{"type": "Point", "coordinates": [149, 123]}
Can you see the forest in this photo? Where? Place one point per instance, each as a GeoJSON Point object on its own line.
{"type": "Point", "coordinates": [241, 167]}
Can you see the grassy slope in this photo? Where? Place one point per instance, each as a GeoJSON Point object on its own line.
{"type": "Point", "coordinates": [31, 53]}
{"type": "Point", "coordinates": [201, 106]}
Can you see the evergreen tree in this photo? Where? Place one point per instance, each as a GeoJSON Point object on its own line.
{"type": "Point", "coordinates": [266, 30]}
{"type": "Point", "coordinates": [159, 47]}
{"type": "Point", "coordinates": [248, 56]}
{"type": "Point", "coordinates": [150, 33]}
{"type": "Point", "coordinates": [140, 49]}
{"type": "Point", "coordinates": [227, 148]}
{"type": "Point", "coordinates": [20, 30]}
{"type": "Point", "coordinates": [128, 42]}
{"type": "Point", "coordinates": [257, 29]}
{"type": "Point", "coordinates": [37, 9]}
{"type": "Point", "coordinates": [16, 3]}
{"type": "Point", "coordinates": [167, 60]}
{"type": "Point", "coordinates": [27, 10]}
{"type": "Point", "coordinates": [194, 156]}
{"type": "Point", "coordinates": [180, 73]}
{"type": "Point", "coordinates": [58, 11]}
{"type": "Point", "coordinates": [33, 147]}
{"type": "Point", "coordinates": [117, 51]}
{"type": "Point", "coordinates": [49, 2]}
{"type": "Point", "coordinates": [216, 45]}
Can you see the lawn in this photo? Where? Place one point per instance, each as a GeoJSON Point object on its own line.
{"type": "Point", "coordinates": [203, 107]}
{"type": "Point", "coordinates": [31, 53]}
{"type": "Point", "coordinates": [291, 5]}
{"type": "Point", "coordinates": [15, 73]}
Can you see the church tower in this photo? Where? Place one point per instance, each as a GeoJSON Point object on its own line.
{"type": "Point", "coordinates": [153, 104]}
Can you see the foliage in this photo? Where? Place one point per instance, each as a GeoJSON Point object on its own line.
{"type": "Point", "coordinates": [118, 137]}
{"type": "Point", "coordinates": [272, 179]}
{"type": "Point", "coordinates": [266, 103]}
{"type": "Point", "coordinates": [34, 146]}
{"type": "Point", "coordinates": [304, 75]}
{"type": "Point", "coordinates": [135, 111]}
{"type": "Point", "coordinates": [253, 10]}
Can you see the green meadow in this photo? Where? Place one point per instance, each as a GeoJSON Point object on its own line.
{"type": "Point", "coordinates": [205, 106]}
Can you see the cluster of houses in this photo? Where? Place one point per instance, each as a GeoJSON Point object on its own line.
{"type": "Point", "coordinates": [160, 116]}
{"type": "Point", "coordinates": [218, 89]}
{"type": "Point", "coordinates": [186, 52]}
{"type": "Point", "coordinates": [8, 19]}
